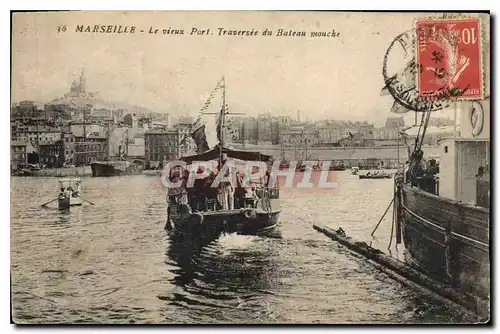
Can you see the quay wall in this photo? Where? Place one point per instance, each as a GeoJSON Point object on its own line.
{"type": "Point", "coordinates": [62, 172]}
{"type": "Point", "coordinates": [350, 156]}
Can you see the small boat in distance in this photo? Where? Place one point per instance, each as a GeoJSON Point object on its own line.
{"type": "Point", "coordinates": [70, 193]}
{"type": "Point", "coordinates": [354, 170]}
{"type": "Point", "coordinates": [375, 175]}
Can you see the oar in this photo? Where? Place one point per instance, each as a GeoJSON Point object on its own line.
{"type": "Point", "coordinates": [55, 199]}
{"type": "Point", "coordinates": [85, 200]}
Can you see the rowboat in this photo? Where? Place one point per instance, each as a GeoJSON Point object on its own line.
{"type": "Point", "coordinates": [70, 192]}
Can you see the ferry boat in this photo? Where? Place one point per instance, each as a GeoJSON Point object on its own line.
{"type": "Point", "coordinates": [257, 215]}
{"type": "Point", "coordinates": [445, 216]}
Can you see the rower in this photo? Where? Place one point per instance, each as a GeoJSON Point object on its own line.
{"type": "Point", "coordinates": [77, 190]}
{"type": "Point", "coordinates": [62, 194]}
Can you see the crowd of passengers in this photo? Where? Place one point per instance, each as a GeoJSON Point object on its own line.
{"type": "Point", "coordinates": [203, 197]}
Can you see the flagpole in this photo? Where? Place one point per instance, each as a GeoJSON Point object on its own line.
{"type": "Point", "coordinates": [222, 115]}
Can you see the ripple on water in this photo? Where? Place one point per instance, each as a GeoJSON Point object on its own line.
{"type": "Point", "coordinates": [114, 263]}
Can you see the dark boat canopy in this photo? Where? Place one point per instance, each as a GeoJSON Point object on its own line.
{"type": "Point", "coordinates": [213, 154]}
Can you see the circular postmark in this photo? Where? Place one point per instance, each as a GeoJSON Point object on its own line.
{"type": "Point", "coordinates": [400, 71]}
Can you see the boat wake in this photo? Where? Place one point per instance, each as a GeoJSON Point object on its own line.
{"type": "Point", "coordinates": [226, 279]}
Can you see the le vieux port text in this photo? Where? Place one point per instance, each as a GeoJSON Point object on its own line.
{"type": "Point", "coordinates": [119, 29]}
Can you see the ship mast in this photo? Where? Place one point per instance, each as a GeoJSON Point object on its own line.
{"type": "Point", "coordinates": [222, 119]}
{"type": "Point", "coordinates": [223, 111]}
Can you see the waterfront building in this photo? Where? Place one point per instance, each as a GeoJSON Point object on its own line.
{"type": "Point", "coordinates": [51, 155]}
{"type": "Point", "coordinates": [88, 149]}
{"type": "Point", "coordinates": [161, 145]}
{"type": "Point", "coordinates": [299, 138]}
{"type": "Point", "coordinates": [249, 130]}
{"type": "Point", "coordinates": [136, 146]}
{"type": "Point", "coordinates": [19, 151]}
{"type": "Point", "coordinates": [186, 145]}
{"type": "Point", "coordinates": [233, 130]}
{"type": "Point", "coordinates": [332, 132]}
{"type": "Point", "coordinates": [37, 134]}
{"type": "Point", "coordinates": [264, 128]}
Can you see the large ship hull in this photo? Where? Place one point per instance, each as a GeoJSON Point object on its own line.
{"type": "Point", "coordinates": [101, 169]}
{"type": "Point", "coordinates": [447, 239]}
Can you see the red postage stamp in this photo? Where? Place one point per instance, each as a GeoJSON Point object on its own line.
{"type": "Point", "coordinates": [449, 58]}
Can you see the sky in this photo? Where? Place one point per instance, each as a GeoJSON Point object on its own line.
{"type": "Point", "coordinates": [323, 78]}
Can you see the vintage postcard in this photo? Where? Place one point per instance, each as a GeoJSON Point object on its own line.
{"type": "Point", "coordinates": [250, 167]}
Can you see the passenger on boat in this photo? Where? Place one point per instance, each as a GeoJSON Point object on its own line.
{"type": "Point", "coordinates": [77, 190]}
{"type": "Point", "coordinates": [184, 188]}
{"type": "Point", "coordinates": [483, 187]}
{"type": "Point", "coordinates": [418, 167]}
{"type": "Point", "coordinates": [68, 192]}
{"type": "Point", "coordinates": [239, 192]}
{"type": "Point", "coordinates": [225, 195]}
{"type": "Point", "coordinates": [210, 192]}
{"type": "Point", "coordinates": [62, 194]}
{"type": "Point", "coordinates": [267, 176]}
{"type": "Point", "coordinates": [433, 168]}
{"type": "Point", "coordinates": [177, 195]}
{"type": "Point", "coordinates": [406, 169]}
{"type": "Point", "coordinates": [199, 193]}
{"type": "Point", "coordinates": [250, 196]}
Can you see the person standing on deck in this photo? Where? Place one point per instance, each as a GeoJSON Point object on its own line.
{"type": "Point", "coordinates": [184, 191]}
{"type": "Point", "coordinates": [199, 192]}
{"type": "Point", "coordinates": [225, 195]}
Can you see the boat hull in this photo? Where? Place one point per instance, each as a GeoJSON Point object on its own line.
{"type": "Point", "coordinates": [238, 221]}
{"type": "Point", "coordinates": [387, 176]}
{"type": "Point", "coordinates": [66, 203]}
{"type": "Point", "coordinates": [103, 170]}
{"type": "Point", "coordinates": [447, 239]}
{"type": "Point", "coordinates": [100, 169]}
{"type": "Point", "coordinates": [23, 172]}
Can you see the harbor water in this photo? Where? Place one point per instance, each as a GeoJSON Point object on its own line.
{"type": "Point", "coordinates": [114, 263]}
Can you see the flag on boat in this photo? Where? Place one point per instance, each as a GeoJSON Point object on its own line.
{"type": "Point", "coordinates": [206, 128]}
{"type": "Point", "coordinates": [205, 132]}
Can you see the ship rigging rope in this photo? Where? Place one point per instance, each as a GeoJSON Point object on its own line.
{"type": "Point", "coordinates": [381, 218]}
{"type": "Point", "coordinates": [393, 219]}
{"type": "Point", "coordinates": [419, 139]}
